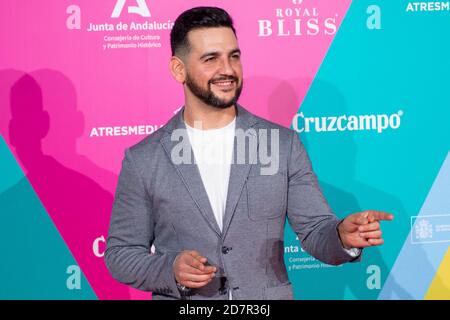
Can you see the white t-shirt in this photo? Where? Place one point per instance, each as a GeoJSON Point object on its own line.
{"type": "Point", "coordinates": [213, 152]}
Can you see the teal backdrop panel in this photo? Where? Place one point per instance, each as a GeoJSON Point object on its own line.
{"type": "Point", "coordinates": [375, 124]}
{"type": "Point", "coordinates": [35, 261]}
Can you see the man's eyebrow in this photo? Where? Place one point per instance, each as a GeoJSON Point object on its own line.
{"type": "Point", "coordinates": [217, 53]}
{"type": "Point", "coordinates": [235, 51]}
{"type": "Point", "coordinates": [211, 53]}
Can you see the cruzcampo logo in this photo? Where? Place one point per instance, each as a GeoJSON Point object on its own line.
{"type": "Point", "coordinates": [366, 122]}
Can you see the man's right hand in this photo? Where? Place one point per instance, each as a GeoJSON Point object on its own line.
{"type": "Point", "coordinates": [190, 270]}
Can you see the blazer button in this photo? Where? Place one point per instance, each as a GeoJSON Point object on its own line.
{"type": "Point", "coordinates": [225, 250]}
{"type": "Point", "coordinates": [223, 291]}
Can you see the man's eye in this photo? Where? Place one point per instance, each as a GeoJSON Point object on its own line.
{"type": "Point", "coordinates": [236, 56]}
{"type": "Point", "coordinates": [210, 59]}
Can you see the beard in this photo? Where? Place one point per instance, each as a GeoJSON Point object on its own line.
{"type": "Point", "coordinates": [208, 97]}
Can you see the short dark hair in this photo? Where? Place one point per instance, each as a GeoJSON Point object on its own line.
{"type": "Point", "coordinates": [197, 18]}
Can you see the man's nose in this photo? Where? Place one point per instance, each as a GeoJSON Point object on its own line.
{"type": "Point", "coordinates": [226, 67]}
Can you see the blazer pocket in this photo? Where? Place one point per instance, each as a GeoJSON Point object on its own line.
{"type": "Point", "coordinates": [266, 196]}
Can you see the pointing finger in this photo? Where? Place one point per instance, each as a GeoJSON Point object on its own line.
{"type": "Point", "coordinates": [361, 218]}
{"type": "Point", "coordinates": [379, 215]}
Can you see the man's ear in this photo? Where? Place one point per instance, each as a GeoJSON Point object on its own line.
{"type": "Point", "coordinates": [178, 69]}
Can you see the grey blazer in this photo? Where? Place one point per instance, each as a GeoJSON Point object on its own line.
{"type": "Point", "coordinates": [164, 204]}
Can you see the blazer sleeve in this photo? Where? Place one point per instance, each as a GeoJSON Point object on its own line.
{"type": "Point", "coordinates": [308, 212]}
{"type": "Point", "coordinates": [131, 235]}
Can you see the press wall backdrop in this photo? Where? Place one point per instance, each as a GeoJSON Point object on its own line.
{"type": "Point", "coordinates": [364, 83]}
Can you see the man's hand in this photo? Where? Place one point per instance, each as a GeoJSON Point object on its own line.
{"type": "Point", "coordinates": [362, 229]}
{"type": "Point", "coordinates": [190, 270]}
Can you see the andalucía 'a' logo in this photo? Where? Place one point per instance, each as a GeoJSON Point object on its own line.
{"type": "Point", "coordinates": [140, 9]}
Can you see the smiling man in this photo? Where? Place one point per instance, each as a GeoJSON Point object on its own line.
{"type": "Point", "coordinates": [216, 221]}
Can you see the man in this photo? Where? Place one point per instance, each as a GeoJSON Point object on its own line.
{"type": "Point", "coordinates": [215, 217]}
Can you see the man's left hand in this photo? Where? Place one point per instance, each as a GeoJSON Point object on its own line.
{"type": "Point", "coordinates": [362, 229]}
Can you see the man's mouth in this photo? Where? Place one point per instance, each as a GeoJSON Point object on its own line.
{"type": "Point", "coordinates": [224, 84]}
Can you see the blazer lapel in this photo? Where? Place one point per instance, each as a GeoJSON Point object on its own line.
{"type": "Point", "coordinates": [239, 171]}
{"type": "Point", "coordinates": [189, 173]}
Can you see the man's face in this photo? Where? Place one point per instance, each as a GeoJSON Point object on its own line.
{"type": "Point", "coordinates": [213, 66]}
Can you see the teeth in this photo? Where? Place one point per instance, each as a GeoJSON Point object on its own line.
{"type": "Point", "coordinates": [223, 83]}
